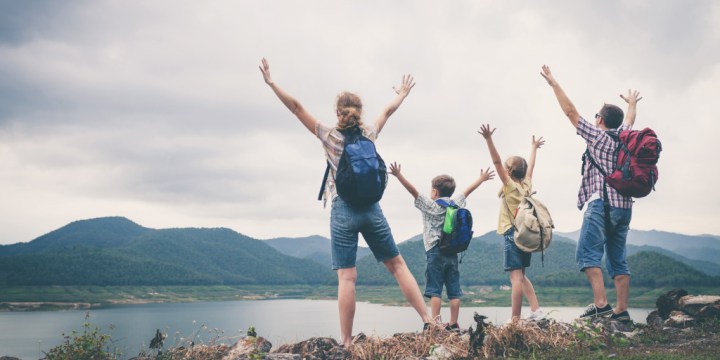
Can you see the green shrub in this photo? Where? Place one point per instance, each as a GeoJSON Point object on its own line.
{"type": "Point", "coordinates": [88, 345]}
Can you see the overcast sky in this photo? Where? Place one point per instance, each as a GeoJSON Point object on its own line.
{"type": "Point", "coordinates": [156, 110]}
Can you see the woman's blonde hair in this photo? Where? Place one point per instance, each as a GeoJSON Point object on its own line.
{"type": "Point", "coordinates": [349, 108]}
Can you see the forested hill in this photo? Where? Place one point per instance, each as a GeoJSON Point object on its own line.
{"type": "Point", "coordinates": [116, 251]}
{"type": "Point", "coordinates": [483, 264]}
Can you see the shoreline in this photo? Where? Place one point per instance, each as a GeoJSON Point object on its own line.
{"type": "Point", "coordinates": [56, 298]}
{"type": "Point", "coordinates": [44, 306]}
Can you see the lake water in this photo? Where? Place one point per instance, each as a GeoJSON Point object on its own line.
{"type": "Point", "coordinates": [27, 334]}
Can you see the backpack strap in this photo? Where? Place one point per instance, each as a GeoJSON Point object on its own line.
{"type": "Point", "coordinates": [445, 204]}
{"type": "Point", "coordinates": [350, 136]}
{"type": "Point", "coordinates": [524, 194]}
{"type": "Point", "coordinates": [606, 198]}
{"type": "Point", "coordinates": [324, 181]}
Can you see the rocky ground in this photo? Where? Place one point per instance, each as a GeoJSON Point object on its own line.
{"type": "Point", "coordinates": [682, 327]}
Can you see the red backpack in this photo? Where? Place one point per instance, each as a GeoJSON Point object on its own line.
{"type": "Point", "coordinates": [636, 171]}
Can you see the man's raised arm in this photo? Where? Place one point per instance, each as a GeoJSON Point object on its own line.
{"type": "Point", "coordinates": [567, 106]}
{"type": "Point", "coordinates": [631, 99]}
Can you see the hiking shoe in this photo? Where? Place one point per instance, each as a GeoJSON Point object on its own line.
{"type": "Point", "coordinates": [453, 327]}
{"type": "Point", "coordinates": [623, 316]}
{"type": "Point", "coordinates": [536, 315]}
{"type": "Point", "coordinates": [592, 311]}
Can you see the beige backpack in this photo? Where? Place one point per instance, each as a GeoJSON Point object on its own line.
{"type": "Point", "coordinates": [533, 224]}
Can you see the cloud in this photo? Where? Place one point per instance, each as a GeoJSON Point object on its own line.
{"type": "Point", "coordinates": [157, 110]}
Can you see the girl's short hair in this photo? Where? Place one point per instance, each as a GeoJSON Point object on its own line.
{"type": "Point", "coordinates": [444, 184]}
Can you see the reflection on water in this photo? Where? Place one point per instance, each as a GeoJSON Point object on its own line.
{"type": "Point", "coordinates": [24, 335]}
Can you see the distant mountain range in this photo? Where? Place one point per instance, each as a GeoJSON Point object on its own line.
{"type": "Point", "coordinates": [483, 264]}
{"type": "Point", "coordinates": [701, 252]}
{"type": "Point", "coordinates": [667, 240]}
{"type": "Point", "coordinates": [315, 248]}
{"type": "Point", "coordinates": [117, 251]}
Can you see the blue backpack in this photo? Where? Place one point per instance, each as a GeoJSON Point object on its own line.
{"type": "Point", "coordinates": [361, 175]}
{"type": "Point", "coordinates": [457, 228]}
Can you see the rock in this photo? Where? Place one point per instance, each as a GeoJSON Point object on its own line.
{"type": "Point", "coordinates": [359, 338]}
{"type": "Point", "coordinates": [316, 349]}
{"type": "Point", "coordinates": [263, 345]}
{"type": "Point", "coordinates": [440, 353]}
{"type": "Point", "coordinates": [9, 358]}
{"type": "Point", "coordinates": [680, 320]}
{"type": "Point", "coordinates": [338, 353]}
{"type": "Point", "coordinates": [654, 320]}
{"type": "Point", "coordinates": [619, 326]}
{"type": "Point", "coordinates": [248, 346]}
{"type": "Point", "coordinates": [692, 304]}
{"type": "Point", "coordinates": [709, 312]}
{"type": "Point", "coordinates": [668, 302]}
{"type": "Point", "coordinates": [282, 357]}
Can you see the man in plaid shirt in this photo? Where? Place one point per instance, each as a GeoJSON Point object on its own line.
{"type": "Point", "coordinates": [601, 231]}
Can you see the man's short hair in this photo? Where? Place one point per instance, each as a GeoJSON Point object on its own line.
{"type": "Point", "coordinates": [444, 184]}
{"type": "Point", "coordinates": [612, 115]}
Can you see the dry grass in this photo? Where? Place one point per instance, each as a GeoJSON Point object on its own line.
{"type": "Point", "coordinates": [204, 352]}
{"type": "Point", "coordinates": [524, 338]}
{"type": "Point", "coordinates": [519, 340]}
{"type": "Point", "coordinates": [410, 345]}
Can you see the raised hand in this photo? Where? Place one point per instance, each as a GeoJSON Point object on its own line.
{"type": "Point", "coordinates": [537, 143]}
{"type": "Point", "coordinates": [486, 175]}
{"type": "Point", "coordinates": [407, 84]}
{"type": "Point", "coordinates": [265, 70]}
{"type": "Point", "coordinates": [395, 169]}
{"type": "Point", "coordinates": [632, 97]}
{"type": "Point", "coordinates": [485, 131]}
{"type": "Point", "coordinates": [548, 75]}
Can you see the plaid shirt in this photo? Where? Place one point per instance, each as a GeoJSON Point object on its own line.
{"type": "Point", "coordinates": [602, 149]}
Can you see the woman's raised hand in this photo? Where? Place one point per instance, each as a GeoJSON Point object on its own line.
{"type": "Point", "coordinates": [407, 84]}
{"type": "Point", "coordinates": [265, 70]}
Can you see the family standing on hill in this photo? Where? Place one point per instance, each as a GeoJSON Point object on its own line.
{"type": "Point", "coordinates": [354, 195]}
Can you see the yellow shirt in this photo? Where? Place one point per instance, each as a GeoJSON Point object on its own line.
{"type": "Point", "coordinates": [511, 192]}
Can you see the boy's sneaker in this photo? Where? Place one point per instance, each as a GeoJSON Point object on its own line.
{"type": "Point", "coordinates": [592, 311]}
{"type": "Point", "coordinates": [453, 327]}
{"type": "Point", "coordinates": [623, 316]}
{"type": "Point", "coordinates": [536, 315]}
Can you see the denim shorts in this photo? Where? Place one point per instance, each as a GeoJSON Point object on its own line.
{"type": "Point", "coordinates": [514, 257]}
{"type": "Point", "coordinates": [593, 240]}
{"type": "Point", "coordinates": [345, 224]}
{"type": "Point", "coordinates": [442, 270]}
